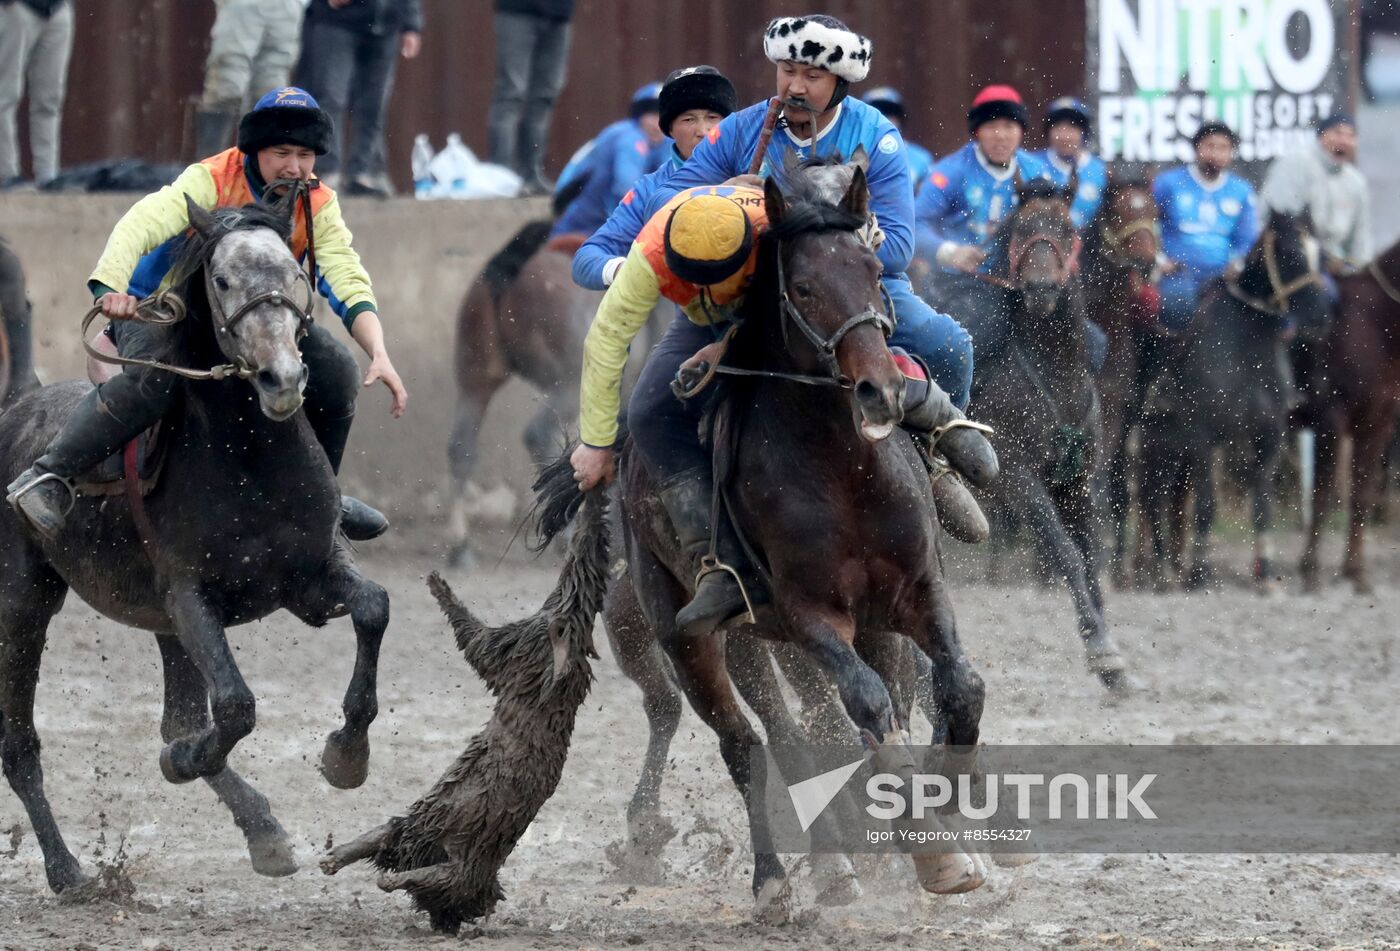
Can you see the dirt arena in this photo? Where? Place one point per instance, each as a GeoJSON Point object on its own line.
{"type": "Point", "coordinates": [1225, 667]}
{"type": "Point", "coordinates": [1216, 668]}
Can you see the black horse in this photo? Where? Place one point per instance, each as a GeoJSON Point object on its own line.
{"type": "Point", "coordinates": [1035, 388]}
{"type": "Point", "coordinates": [242, 522]}
{"type": "Point", "coordinates": [16, 347]}
{"type": "Point", "coordinates": [1222, 390]}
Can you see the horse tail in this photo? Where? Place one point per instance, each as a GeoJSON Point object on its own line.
{"type": "Point", "coordinates": [557, 495]}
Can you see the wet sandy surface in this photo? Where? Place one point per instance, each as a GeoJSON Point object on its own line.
{"type": "Point", "coordinates": [1225, 667]}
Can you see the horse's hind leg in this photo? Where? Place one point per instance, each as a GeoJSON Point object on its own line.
{"type": "Point", "coordinates": [28, 601]}
{"type": "Point", "coordinates": [472, 401]}
{"type": "Point", "coordinates": [640, 658]}
{"type": "Point", "coordinates": [343, 590]}
{"type": "Point", "coordinates": [186, 713]}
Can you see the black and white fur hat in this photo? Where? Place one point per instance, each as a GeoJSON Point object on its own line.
{"type": "Point", "coordinates": [819, 41]}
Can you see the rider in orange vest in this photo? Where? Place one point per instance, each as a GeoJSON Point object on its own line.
{"type": "Point", "coordinates": [278, 140]}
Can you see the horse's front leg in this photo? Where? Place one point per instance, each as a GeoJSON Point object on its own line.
{"type": "Point", "coordinates": [201, 634]}
{"type": "Point", "coordinates": [343, 590]}
{"type": "Point", "coordinates": [827, 635]}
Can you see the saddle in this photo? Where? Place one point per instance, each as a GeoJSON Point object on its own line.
{"type": "Point", "coordinates": [140, 461]}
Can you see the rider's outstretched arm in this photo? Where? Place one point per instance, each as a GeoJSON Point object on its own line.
{"type": "Point", "coordinates": [621, 315]}
{"type": "Point", "coordinates": [593, 267]}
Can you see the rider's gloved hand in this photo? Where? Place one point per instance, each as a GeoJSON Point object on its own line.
{"type": "Point", "coordinates": [592, 465]}
{"type": "Point", "coordinates": [117, 306]}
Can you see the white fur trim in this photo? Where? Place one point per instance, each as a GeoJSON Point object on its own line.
{"type": "Point", "coordinates": [801, 40]}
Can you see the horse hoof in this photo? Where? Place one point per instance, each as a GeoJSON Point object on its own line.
{"type": "Point", "coordinates": [271, 853]}
{"type": "Point", "coordinates": [175, 765]}
{"type": "Point", "coordinates": [773, 903]}
{"type": "Point", "coordinates": [835, 881]}
{"type": "Point", "coordinates": [950, 873]}
{"type": "Point", "coordinates": [634, 866]}
{"type": "Point", "coordinates": [1118, 682]}
{"type": "Point", "coordinates": [67, 878]}
{"type": "Point", "coordinates": [345, 763]}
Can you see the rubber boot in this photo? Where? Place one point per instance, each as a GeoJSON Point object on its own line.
{"type": "Point", "coordinates": [44, 492]}
{"type": "Point", "coordinates": [360, 522]}
{"type": "Point", "coordinates": [929, 411]}
{"type": "Point", "coordinates": [213, 132]}
{"type": "Point", "coordinates": [718, 597]}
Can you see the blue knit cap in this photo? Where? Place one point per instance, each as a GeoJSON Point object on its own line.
{"type": "Point", "coordinates": [286, 116]}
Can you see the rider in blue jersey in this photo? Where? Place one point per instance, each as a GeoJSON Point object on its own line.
{"type": "Point", "coordinates": [817, 59]}
{"type": "Point", "coordinates": [891, 105]}
{"type": "Point", "coordinates": [1068, 126]}
{"type": "Point", "coordinates": [603, 169]}
{"type": "Point", "coordinates": [967, 197]}
{"type": "Point", "coordinates": [692, 102]}
{"type": "Point", "coordinates": [1209, 221]}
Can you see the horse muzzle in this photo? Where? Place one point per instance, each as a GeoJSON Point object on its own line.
{"type": "Point", "coordinates": [1041, 297]}
{"type": "Point", "coordinates": [878, 409]}
{"type": "Point", "coordinates": [280, 389]}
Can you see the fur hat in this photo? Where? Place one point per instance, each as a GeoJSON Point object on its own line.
{"type": "Point", "coordinates": [287, 116]}
{"type": "Point", "coordinates": [696, 87]}
{"type": "Point", "coordinates": [820, 41]}
{"type": "Point", "coordinates": [708, 239]}
{"type": "Point", "coordinates": [1214, 127]}
{"type": "Point", "coordinates": [997, 102]}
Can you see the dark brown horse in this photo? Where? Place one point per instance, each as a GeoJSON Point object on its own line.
{"type": "Point", "coordinates": [1221, 395]}
{"type": "Point", "coordinates": [242, 523]}
{"type": "Point", "coordinates": [1120, 295]}
{"type": "Point", "coordinates": [1356, 393]}
{"type": "Point", "coordinates": [836, 502]}
{"type": "Point", "coordinates": [522, 317]}
{"type": "Point", "coordinates": [1037, 392]}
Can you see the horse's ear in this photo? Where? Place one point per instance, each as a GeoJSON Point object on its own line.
{"type": "Point", "coordinates": [857, 197]}
{"type": "Point", "coordinates": [774, 204]}
{"type": "Point", "coordinates": [200, 220]}
{"type": "Point", "coordinates": [861, 158]}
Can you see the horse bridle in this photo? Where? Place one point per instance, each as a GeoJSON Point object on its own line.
{"type": "Point", "coordinates": [826, 346]}
{"type": "Point", "coordinates": [1069, 259]}
{"type": "Point", "coordinates": [1280, 292]}
{"type": "Point", "coordinates": [277, 298]}
{"type": "Point", "coordinates": [1114, 238]}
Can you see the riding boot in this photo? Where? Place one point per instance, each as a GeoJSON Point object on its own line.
{"type": "Point", "coordinates": [688, 498]}
{"type": "Point", "coordinates": [929, 411]}
{"type": "Point", "coordinates": [360, 522]}
{"type": "Point", "coordinates": [213, 132]}
{"type": "Point", "coordinates": [44, 492]}
{"type": "Point", "coordinates": [958, 512]}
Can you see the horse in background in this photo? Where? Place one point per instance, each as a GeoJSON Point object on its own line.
{"type": "Point", "coordinates": [1119, 267]}
{"type": "Point", "coordinates": [1221, 391]}
{"type": "Point", "coordinates": [1354, 390]}
{"type": "Point", "coordinates": [523, 316]}
{"type": "Point", "coordinates": [16, 327]}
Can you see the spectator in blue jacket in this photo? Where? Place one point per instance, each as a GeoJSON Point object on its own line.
{"type": "Point", "coordinates": [1209, 221]}
{"type": "Point", "coordinates": [967, 197]}
{"type": "Point", "coordinates": [1068, 126]}
{"type": "Point", "coordinates": [817, 58]}
{"type": "Point", "coordinates": [891, 105]}
{"type": "Point", "coordinates": [606, 167]}
{"type": "Point", "coordinates": [692, 101]}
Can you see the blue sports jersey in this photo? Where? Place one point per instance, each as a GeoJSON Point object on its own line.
{"type": "Point", "coordinates": [920, 164]}
{"type": "Point", "coordinates": [729, 148]}
{"type": "Point", "coordinates": [1093, 179]}
{"type": "Point", "coordinates": [611, 164]}
{"type": "Point", "coordinates": [965, 199]}
{"type": "Point", "coordinates": [1204, 228]}
{"type": "Point", "coordinates": [614, 239]}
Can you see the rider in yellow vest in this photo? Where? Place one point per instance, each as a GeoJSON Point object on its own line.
{"type": "Point", "coordinates": [700, 251]}
{"type": "Point", "coordinates": [278, 140]}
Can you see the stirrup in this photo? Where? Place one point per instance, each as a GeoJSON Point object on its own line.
{"type": "Point", "coordinates": [709, 564]}
{"type": "Point", "coordinates": [15, 494]}
{"type": "Point", "coordinates": [939, 432]}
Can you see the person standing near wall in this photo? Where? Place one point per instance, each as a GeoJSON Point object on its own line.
{"type": "Point", "coordinates": [252, 50]}
{"type": "Point", "coordinates": [36, 41]}
{"type": "Point", "coordinates": [349, 51]}
{"type": "Point", "coordinates": [532, 56]}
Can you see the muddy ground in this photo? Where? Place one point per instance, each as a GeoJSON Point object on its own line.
{"type": "Point", "coordinates": [1224, 667]}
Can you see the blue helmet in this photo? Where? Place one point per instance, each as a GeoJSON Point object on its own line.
{"type": "Point", "coordinates": [887, 100]}
{"type": "Point", "coordinates": [1069, 109]}
{"type": "Point", "coordinates": [646, 99]}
